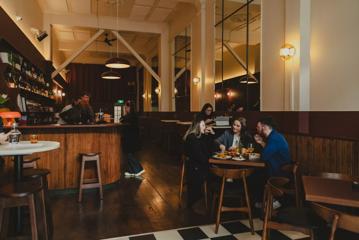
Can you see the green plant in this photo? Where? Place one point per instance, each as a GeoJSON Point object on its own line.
{"type": "Point", "coordinates": [3, 98]}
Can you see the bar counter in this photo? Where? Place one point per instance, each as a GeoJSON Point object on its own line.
{"type": "Point", "coordinates": [64, 162]}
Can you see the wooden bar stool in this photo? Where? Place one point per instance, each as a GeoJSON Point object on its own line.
{"type": "Point", "coordinates": [225, 173]}
{"type": "Point", "coordinates": [184, 159]}
{"type": "Point", "coordinates": [90, 182]}
{"type": "Point", "coordinates": [40, 174]}
{"type": "Point", "coordinates": [18, 195]}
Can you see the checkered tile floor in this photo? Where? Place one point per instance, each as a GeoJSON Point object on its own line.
{"type": "Point", "coordinates": [227, 231]}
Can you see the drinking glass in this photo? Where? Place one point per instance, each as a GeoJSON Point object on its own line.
{"type": "Point", "coordinates": [33, 138]}
{"type": "Point", "coordinates": [250, 148]}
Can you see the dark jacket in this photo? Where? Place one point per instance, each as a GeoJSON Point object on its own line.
{"type": "Point", "coordinates": [276, 153]}
{"type": "Point", "coordinates": [227, 139]}
{"type": "Point", "coordinates": [131, 133]}
{"type": "Point", "coordinates": [73, 115]}
{"type": "Point", "coordinates": [198, 152]}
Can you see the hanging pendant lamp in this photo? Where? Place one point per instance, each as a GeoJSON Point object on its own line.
{"type": "Point", "coordinates": [110, 75]}
{"type": "Point", "coordinates": [117, 62]}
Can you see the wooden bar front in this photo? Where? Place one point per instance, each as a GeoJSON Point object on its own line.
{"type": "Point", "coordinates": [64, 162]}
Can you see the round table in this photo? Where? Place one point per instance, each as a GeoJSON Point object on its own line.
{"type": "Point", "coordinates": [18, 150]}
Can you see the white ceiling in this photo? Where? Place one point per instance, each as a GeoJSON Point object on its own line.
{"type": "Point", "coordinates": [67, 40]}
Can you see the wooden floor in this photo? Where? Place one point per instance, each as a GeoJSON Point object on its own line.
{"type": "Point", "coordinates": [133, 206]}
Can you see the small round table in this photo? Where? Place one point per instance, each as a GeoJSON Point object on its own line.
{"type": "Point", "coordinates": [18, 150]}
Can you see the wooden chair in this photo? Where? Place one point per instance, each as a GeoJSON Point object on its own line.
{"type": "Point", "coordinates": [293, 219]}
{"type": "Point", "coordinates": [18, 195]}
{"type": "Point", "coordinates": [329, 215]}
{"type": "Point", "coordinates": [294, 187]}
{"type": "Point", "coordinates": [225, 173]}
{"type": "Point", "coordinates": [91, 182]}
{"type": "Point", "coordinates": [184, 159]}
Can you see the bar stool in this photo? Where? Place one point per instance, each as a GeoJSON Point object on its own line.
{"type": "Point", "coordinates": [18, 195]}
{"type": "Point", "coordinates": [184, 159]}
{"type": "Point", "coordinates": [225, 173]}
{"type": "Point", "coordinates": [40, 174]}
{"type": "Point", "coordinates": [90, 182]}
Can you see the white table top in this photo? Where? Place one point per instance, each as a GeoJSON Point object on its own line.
{"type": "Point", "coordinates": [26, 148]}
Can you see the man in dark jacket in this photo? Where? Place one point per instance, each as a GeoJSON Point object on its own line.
{"type": "Point", "coordinates": [131, 140]}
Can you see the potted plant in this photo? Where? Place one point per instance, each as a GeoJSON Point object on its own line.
{"type": "Point", "coordinates": [3, 100]}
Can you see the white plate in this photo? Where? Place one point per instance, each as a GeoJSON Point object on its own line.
{"type": "Point", "coordinates": [225, 158]}
{"type": "Point", "coordinates": [254, 156]}
{"type": "Point", "coordinates": [239, 158]}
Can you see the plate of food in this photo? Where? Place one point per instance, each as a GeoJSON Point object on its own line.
{"type": "Point", "coordinates": [239, 158]}
{"type": "Point", "coordinates": [222, 156]}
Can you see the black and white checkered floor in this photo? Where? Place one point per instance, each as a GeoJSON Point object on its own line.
{"type": "Point", "coordinates": [227, 231]}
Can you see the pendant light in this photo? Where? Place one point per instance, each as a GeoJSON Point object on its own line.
{"type": "Point", "coordinates": [110, 75]}
{"type": "Point", "coordinates": [117, 62]}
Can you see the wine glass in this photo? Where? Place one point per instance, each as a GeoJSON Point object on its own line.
{"type": "Point", "coordinates": [250, 148]}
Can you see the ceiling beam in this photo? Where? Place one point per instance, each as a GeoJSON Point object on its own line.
{"type": "Point", "coordinates": [104, 22]}
{"type": "Point", "coordinates": [75, 54]}
{"type": "Point", "coordinates": [139, 58]}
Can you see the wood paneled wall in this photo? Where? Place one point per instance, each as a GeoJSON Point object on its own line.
{"type": "Point", "coordinates": [318, 154]}
{"type": "Point", "coordinates": [104, 92]}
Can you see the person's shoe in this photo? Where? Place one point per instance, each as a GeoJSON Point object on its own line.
{"type": "Point", "coordinates": [139, 173]}
{"type": "Point", "coordinates": [276, 204]}
{"type": "Point", "coordinates": [128, 174]}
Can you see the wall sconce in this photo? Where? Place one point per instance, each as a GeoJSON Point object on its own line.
{"type": "Point", "coordinates": [63, 94]}
{"type": "Point", "coordinates": [230, 93]}
{"type": "Point", "coordinates": [144, 95]}
{"type": "Point", "coordinates": [175, 91]}
{"type": "Point", "coordinates": [157, 90]}
{"type": "Point", "coordinates": [196, 80]}
{"type": "Point", "coordinates": [217, 96]}
{"type": "Point", "coordinates": [287, 52]}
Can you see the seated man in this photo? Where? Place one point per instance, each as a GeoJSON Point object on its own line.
{"type": "Point", "coordinates": [275, 152]}
{"type": "Point", "coordinates": [275, 148]}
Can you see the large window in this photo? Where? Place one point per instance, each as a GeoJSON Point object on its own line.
{"type": "Point", "coordinates": [237, 66]}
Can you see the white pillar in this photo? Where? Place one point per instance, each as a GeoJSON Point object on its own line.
{"type": "Point", "coordinates": [164, 70]}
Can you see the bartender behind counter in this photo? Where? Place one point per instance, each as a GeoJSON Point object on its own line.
{"type": "Point", "coordinates": [80, 111]}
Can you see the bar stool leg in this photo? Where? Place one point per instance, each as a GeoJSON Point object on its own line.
{"type": "Point", "coordinates": [248, 203]}
{"type": "Point", "coordinates": [182, 180]}
{"type": "Point", "coordinates": [99, 176]}
{"type": "Point", "coordinates": [81, 179]}
{"type": "Point", "coordinates": [32, 209]}
{"type": "Point", "coordinates": [220, 202]}
{"type": "Point", "coordinates": [205, 194]}
{"type": "Point", "coordinates": [43, 213]}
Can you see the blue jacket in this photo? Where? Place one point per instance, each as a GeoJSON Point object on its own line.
{"type": "Point", "coordinates": [276, 153]}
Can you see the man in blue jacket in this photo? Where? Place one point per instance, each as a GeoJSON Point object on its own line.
{"type": "Point", "coordinates": [275, 148]}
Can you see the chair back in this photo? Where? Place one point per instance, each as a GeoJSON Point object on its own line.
{"type": "Point", "coordinates": [326, 213]}
{"type": "Point", "coordinates": [275, 186]}
{"type": "Point", "coordinates": [231, 173]}
{"type": "Point", "coordinates": [293, 169]}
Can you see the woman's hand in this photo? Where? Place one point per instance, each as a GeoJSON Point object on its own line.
{"type": "Point", "coordinates": [259, 140]}
{"type": "Point", "coordinates": [209, 130]}
{"type": "Point", "coordinates": [222, 148]}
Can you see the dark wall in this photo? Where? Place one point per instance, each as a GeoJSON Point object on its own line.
{"type": "Point", "coordinates": [104, 92]}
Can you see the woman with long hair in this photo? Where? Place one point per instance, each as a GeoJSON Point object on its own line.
{"type": "Point", "coordinates": [236, 137]}
{"type": "Point", "coordinates": [206, 113]}
{"type": "Point", "coordinates": [198, 150]}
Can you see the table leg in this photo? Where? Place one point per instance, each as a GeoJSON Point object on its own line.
{"type": "Point", "coordinates": [18, 159]}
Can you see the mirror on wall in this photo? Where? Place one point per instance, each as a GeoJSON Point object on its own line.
{"type": "Point", "coordinates": [181, 58]}
{"type": "Point", "coordinates": [237, 63]}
